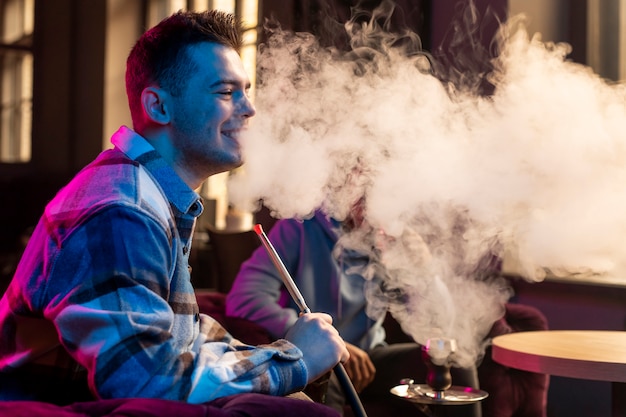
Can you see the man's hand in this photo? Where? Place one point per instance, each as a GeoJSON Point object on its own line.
{"type": "Point", "coordinates": [359, 367]}
{"type": "Point", "coordinates": [319, 342]}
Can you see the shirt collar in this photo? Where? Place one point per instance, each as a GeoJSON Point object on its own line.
{"type": "Point", "coordinates": [176, 190]}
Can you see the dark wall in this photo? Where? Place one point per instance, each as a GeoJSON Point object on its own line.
{"type": "Point", "coordinates": [325, 18]}
{"type": "Point", "coordinates": [430, 19]}
{"type": "Point", "coordinates": [458, 34]}
{"type": "Point", "coordinates": [68, 99]}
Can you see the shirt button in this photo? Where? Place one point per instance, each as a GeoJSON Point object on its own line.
{"type": "Point", "coordinates": [185, 250]}
{"type": "Point", "coordinates": [189, 268]}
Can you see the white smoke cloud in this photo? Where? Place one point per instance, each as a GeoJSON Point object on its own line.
{"type": "Point", "coordinates": [451, 177]}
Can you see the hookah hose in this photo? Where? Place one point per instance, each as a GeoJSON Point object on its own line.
{"type": "Point", "coordinates": [340, 371]}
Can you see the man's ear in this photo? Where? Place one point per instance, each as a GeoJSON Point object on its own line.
{"type": "Point", "coordinates": [155, 105]}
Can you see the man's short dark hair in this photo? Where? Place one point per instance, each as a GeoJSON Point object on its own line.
{"type": "Point", "coordinates": [160, 55]}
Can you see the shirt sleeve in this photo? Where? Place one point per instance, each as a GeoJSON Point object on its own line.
{"type": "Point", "coordinates": [107, 295]}
{"type": "Point", "coordinates": [258, 293]}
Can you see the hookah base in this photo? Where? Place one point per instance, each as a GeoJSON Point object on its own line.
{"type": "Point", "coordinates": [424, 394]}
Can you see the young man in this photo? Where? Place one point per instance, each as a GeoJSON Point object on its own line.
{"type": "Point", "coordinates": [101, 304]}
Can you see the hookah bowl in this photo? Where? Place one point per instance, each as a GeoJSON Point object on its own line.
{"type": "Point", "coordinates": [435, 355]}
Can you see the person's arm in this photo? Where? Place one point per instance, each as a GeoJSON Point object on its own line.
{"type": "Point", "coordinates": [312, 341]}
{"type": "Point", "coordinates": [258, 293]}
{"type": "Point", "coordinates": [107, 297]}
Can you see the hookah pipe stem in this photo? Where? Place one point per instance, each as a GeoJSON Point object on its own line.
{"type": "Point", "coordinates": [284, 273]}
{"type": "Point", "coordinates": [340, 371]}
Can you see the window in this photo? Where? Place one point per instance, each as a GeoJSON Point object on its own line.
{"type": "Point", "coordinates": [16, 89]}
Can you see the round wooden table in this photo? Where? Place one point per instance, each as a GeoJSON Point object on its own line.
{"type": "Point", "coordinates": [585, 354]}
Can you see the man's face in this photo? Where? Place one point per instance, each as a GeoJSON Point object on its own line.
{"type": "Point", "coordinates": [210, 113]}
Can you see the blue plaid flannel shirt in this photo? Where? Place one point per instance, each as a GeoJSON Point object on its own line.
{"type": "Point", "coordinates": [105, 279]}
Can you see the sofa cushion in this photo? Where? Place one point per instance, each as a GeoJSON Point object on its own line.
{"type": "Point", "coordinates": [257, 405]}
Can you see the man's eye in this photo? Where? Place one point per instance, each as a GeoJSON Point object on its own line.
{"type": "Point", "coordinates": [226, 93]}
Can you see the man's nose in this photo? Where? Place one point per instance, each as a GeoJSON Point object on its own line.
{"type": "Point", "coordinates": [246, 108]}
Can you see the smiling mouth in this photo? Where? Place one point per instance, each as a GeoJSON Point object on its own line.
{"type": "Point", "coordinates": [233, 134]}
